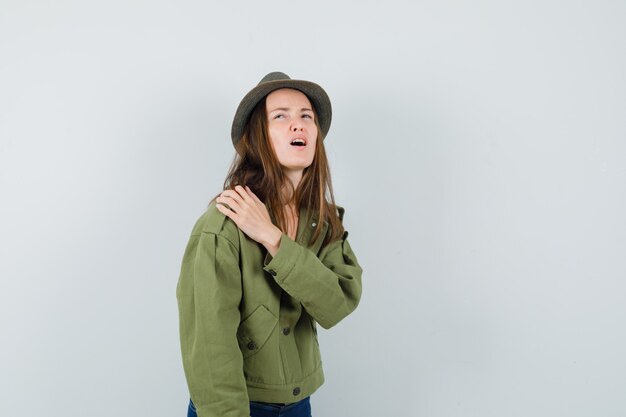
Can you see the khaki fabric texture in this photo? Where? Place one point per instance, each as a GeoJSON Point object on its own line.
{"type": "Point", "coordinates": [248, 320]}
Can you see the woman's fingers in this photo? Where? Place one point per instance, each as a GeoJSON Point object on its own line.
{"type": "Point", "coordinates": [244, 194]}
{"type": "Point", "coordinates": [253, 195]}
{"type": "Point", "coordinates": [226, 211]}
{"type": "Point", "coordinates": [232, 194]}
{"type": "Point", "coordinates": [247, 211]}
{"type": "Point", "coordinates": [241, 196]}
{"type": "Point", "coordinates": [236, 196]}
{"type": "Point", "coordinates": [231, 202]}
{"type": "Point", "coordinates": [244, 204]}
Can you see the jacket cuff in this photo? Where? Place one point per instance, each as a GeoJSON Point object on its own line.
{"type": "Point", "coordinates": [281, 264]}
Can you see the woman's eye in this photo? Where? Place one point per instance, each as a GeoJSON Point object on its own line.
{"type": "Point", "coordinates": [279, 115]}
{"type": "Point", "coordinates": [307, 115]}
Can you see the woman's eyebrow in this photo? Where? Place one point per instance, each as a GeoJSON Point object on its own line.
{"type": "Point", "coordinates": [288, 108]}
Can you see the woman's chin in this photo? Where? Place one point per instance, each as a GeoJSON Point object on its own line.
{"type": "Point", "coordinates": [295, 166]}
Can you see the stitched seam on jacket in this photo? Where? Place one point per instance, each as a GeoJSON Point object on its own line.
{"type": "Point", "coordinates": [223, 237]}
{"type": "Point", "coordinates": [257, 384]}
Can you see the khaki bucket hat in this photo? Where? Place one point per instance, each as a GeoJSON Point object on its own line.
{"type": "Point", "coordinates": [273, 81]}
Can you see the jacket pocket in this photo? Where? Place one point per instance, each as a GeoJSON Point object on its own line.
{"type": "Point", "coordinates": [255, 330]}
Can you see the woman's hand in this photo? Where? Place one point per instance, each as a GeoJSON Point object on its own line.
{"type": "Point", "coordinates": [250, 215]}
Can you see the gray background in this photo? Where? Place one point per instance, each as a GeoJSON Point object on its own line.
{"type": "Point", "coordinates": [478, 147]}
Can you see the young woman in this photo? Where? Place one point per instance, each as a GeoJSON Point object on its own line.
{"type": "Point", "coordinates": [267, 262]}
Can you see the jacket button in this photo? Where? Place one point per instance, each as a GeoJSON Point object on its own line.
{"type": "Point", "coordinates": [271, 271]}
{"type": "Point", "coordinates": [286, 331]}
{"type": "Point", "coordinates": [251, 345]}
{"type": "Point", "coordinates": [296, 391]}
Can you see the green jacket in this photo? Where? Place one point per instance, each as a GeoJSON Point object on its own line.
{"type": "Point", "coordinates": [248, 320]}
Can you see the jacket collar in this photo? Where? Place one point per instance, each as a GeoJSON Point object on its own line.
{"type": "Point", "coordinates": [307, 223]}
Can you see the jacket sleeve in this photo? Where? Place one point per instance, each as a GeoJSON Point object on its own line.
{"type": "Point", "coordinates": [208, 293]}
{"type": "Point", "coordinates": [328, 287]}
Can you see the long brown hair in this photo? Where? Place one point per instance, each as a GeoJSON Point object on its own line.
{"type": "Point", "coordinates": [256, 165]}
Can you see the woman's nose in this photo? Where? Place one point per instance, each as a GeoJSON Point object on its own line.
{"type": "Point", "coordinates": [297, 125]}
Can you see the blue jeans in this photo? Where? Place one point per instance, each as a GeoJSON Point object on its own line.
{"type": "Point", "coordinates": [257, 409]}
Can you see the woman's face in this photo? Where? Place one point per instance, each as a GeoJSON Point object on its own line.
{"type": "Point", "coordinates": [291, 127]}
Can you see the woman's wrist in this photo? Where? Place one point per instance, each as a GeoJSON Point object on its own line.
{"type": "Point", "coordinates": [272, 240]}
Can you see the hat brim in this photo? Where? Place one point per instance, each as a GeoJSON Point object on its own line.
{"type": "Point", "coordinates": [316, 95]}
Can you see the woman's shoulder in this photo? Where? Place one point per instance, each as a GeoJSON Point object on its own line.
{"type": "Point", "coordinates": [215, 222]}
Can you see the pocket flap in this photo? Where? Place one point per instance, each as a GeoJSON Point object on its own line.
{"type": "Point", "coordinates": [255, 330]}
